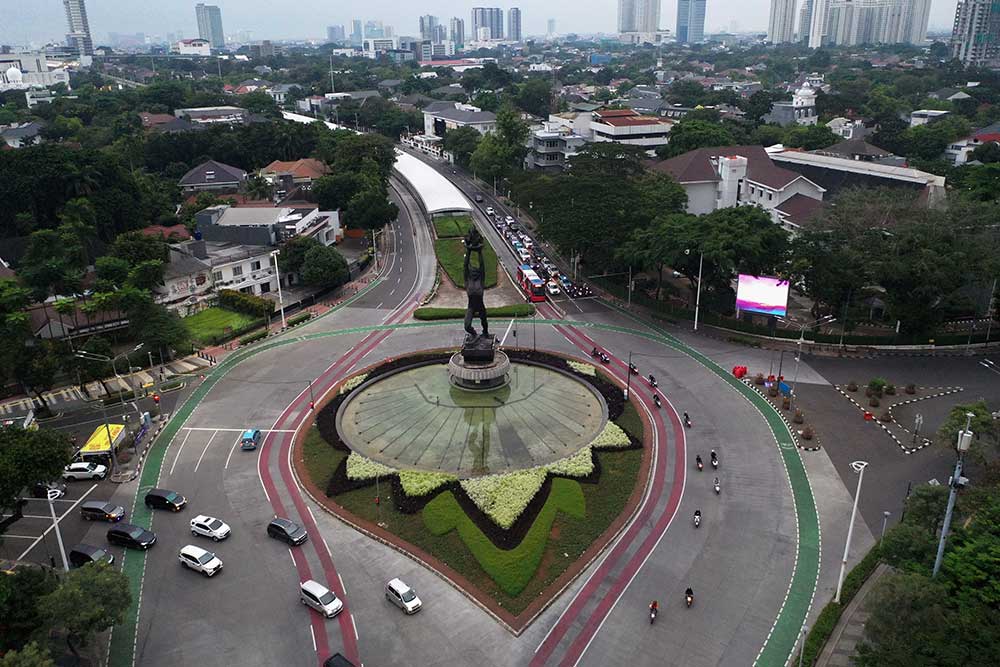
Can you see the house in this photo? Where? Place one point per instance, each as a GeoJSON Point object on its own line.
{"type": "Point", "coordinates": [199, 268]}
{"type": "Point", "coordinates": [441, 117]}
{"type": "Point", "coordinates": [390, 84]}
{"type": "Point", "coordinates": [797, 212]}
{"type": "Point", "coordinates": [248, 86]}
{"type": "Point", "coordinates": [171, 233]}
{"type": "Point", "coordinates": [187, 279]}
{"type": "Point", "coordinates": [151, 120]}
{"type": "Point", "coordinates": [19, 135]}
{"type": "Point", "coordinates": [848, 128]}
{"type": "Point", "coordinates": [949, 94]}
{"type": "Point", "coordinates": [552, 146]}
{"type": "Point", "coordinates": [625, 126]}
{"type": "Point", "coordinates": [800, 111]}
{"type": "Point", "coordinates": [46, 322]}
{"type": "Point", "coordinates": [960, 151]}
{"type": "Point", "coordinates": [414, 102]}
{"type": "Point", "coordinates": [298, 173]}
{"type": "Point", "coordinates": [193, 47]}
{"type": "Point", "coordinates": [221, 115]}
{"type": "Point", "coordinates": [725, 176]}
{"type": "Point", "coordinates": [177, 126]}
{"type": "Point", "coordinates": [213, 176]}
{"type": "Point", "coordinates": [268, 226]}
{"type": "Point", "coordinates": [279, 92]}
{"type": "Point", "coordinates": [925, 116]}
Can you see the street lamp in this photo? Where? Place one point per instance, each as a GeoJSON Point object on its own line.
{"type": "Point", "coordinates": [697, 299]}
{"type": "Point", "coordinates": [802, 642]}
{"type": "Point", "coordinates": [802, 339]}
{"type": "Point", "coordinates": [52, 495]}
{"type": "Point", "coordinates": [858, 467]}
{"type": "Point", "coordinates": [885, 519]}
{"type": "Point", "coordinates": [956, 481]}
{"type": "Point", "coordinates": [281, 300]}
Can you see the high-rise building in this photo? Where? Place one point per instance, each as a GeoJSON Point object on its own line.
{"type": "Point", "coordinates": [78, 37]}
{"type": "Point", "coordinates": [690, 21]}
{"type": "Point", "coordinates": [781, 26]}
{"type": "Point", "coordinates": [210, 24]}
{"type": "Point", "coordinates": [551, 27]}
{"type": "Point", "coordinates": [805, 18]}
{"type": "Point", "coordinates": [488, 17]}
{"type": "Point", "coordinates": [335, 33]}
{"type": "Point", "coordinates": [456, 30]}
{"type": "Point", "coordinates": [357, 32]}
{"type": "Point", "coordinates": [975, 37]}
{"type": "Point", "coordinates": [427, 25]}
{"type": "Point", "coordinates": [514, 24]}
{"type": "Point", "coordinates": [817, 23]}
{"type": "Point", "coordinates": [638, 15]}
{"type": "Point", "coordinates": [852, 22]}
{"type": "Point", "coordinates": [374, 30]}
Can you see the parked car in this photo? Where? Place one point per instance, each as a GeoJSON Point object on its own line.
{"type": "Point", "coordinates": [84, 470]}
{"type": "Point", "coordinates": [101, 510]}
{"type": "Point", "coordinates": [319, 597]}
{"type": "Point", "coordinates": [210, 527]}
{"type": "Point", "coordinates": [251, 439]}
{"type": "Point", "coordinates": [552, 288]}
{"type": "Point", "coordinates": [82, 554]}
{"type": "Point", "coordinates": [165, 499]}
{"type": "Point", "coordinates": [402, 596]}
{"type": "Point", "coordinates": [131, 536]}
{"type": "Point", "coordinates": [199, 560]}
{"type": "Point", "coordinates": [287, 531]}
{"type": "Point", "coordinates": [41, 489]}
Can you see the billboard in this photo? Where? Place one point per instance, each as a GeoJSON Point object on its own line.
{"type": "Point", "coordinates": [762, 294]}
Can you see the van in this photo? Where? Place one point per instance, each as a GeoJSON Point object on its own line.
{"type": "Point", "coordinates": [251, 438]}
{"type": "Point", "coordinates": [319, 597]}
{"type": "Point", "coordinates": [82, 554]}
{"type": "Point", "coordinates": [101, 510]}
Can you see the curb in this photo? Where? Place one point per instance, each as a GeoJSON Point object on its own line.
{"type": "Point", "coordinates": [791, 429]}
{"type": "Point", "coordinates": [132, 474]}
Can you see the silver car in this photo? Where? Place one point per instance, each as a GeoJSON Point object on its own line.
{"type": "Point", "coordinates": [402, 596]}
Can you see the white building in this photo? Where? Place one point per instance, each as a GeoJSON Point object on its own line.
{"type": "Point", "coordinates": [625, 126]}
{"type": "Point", "coordinates": [781, 24]}
{"type": "Point", "coordinates": [194, 47]}
{"type": "Point", "coordinates": [800, 111]}
{"type": "Point", "coordinates": [439, 117]}
{"type": "Point", "coordinates": [23, 71]}
{"type": "Point", "coordinates": [373, 47]}
{"type": "Point", "coordinates": [266, 226]}
{"type": "Point", "coordinates": [924, 116]}
{"type": "Point", "coordinates": [552, 146]}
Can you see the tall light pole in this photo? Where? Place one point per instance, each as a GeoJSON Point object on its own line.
{"type": "Point", "coordinates": [885, 519]}
{"type": "Point", "coordinates": [858, 467]}
{"type": "Point", "coordinates": [962, 445]}
{"type": "Point", "coordinates": [281, 300]}
{"type": "Point", "coordinates": [697, 298]}
{"type": "Point", "coordinates": [802, 642]}
{"type": "Point", "coordinates": [52, 495]}
{"type": "Point", "coordinates": [802, 339]}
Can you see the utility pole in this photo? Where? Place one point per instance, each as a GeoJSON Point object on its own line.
{"type": "Point", "coordinates": [858, 467]}
{"type": "Point", "coordinates": [962, 445]}
{"type": "Point", "coordinates": [333, 89]}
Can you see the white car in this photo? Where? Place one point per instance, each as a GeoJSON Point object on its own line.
{"type": "Point", "coordinates": [84, 470]}
{"type": "Point", "coordinates": [200, 560]}
{"type": "Point", "coordinates": [209, 526]}
{"type": "Point", "coordinates": [509, 220]}
{"type": "Point", "coordinates": [402, 596]}
{"type": "Point", "coordinates": [489, 210]}
{"type": "Point", "coordinates": [552, 288]}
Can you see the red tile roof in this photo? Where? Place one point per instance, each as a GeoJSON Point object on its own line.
{"type": "Point", "coordinates": [798, 208]}
{"type": "Point", "coordinates": [154, 119]}
{"type": "Point", "coordinates": [174, 232]}
{"type": "Point", "coordinates": [626, 121]}
{"type": "Point", "coordinates": [696, 165]}
{"type": "Point", "coordinates": [304, 168]}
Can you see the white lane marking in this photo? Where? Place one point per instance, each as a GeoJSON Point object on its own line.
{"type": "Point", "coordinates": [342, 586]}
{"type": "Point", "coordinates": [21, 537]}
{"type": "Point", "coordinates": [397, 280]}
{"type": "Point", "coordinates": [231, 450]}
{"type": "Point", "coordinates": [179, 450]}
{"type": "Point", "coordinates": [237, 430]}
{"type": "Point", "coordinates": [58, 520]}
{"type": "Point", "coordinates": [312, 633]}
{"type": "Point", "coordinates": [392, 292]}
{"type": "Point", "coordinates": [379, 304]}
{"type": "Point", "coordinates": [354, 623]}
{"type": "Point", "coordinates": [204, 450]}
{"type": "Point", "coordinates": [292, 556]}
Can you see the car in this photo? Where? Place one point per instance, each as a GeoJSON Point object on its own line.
{"type": "Point", "coordinates": [251, 438]}
{"type": "Point", "coordinates": [82, 554]}
{"type": "Point", "coordinates": [489, 210]}
{"type": "Point", "coordinates": [287, 531]}
{"type": "Point", "coordinates": [337, 660]}
{"type": "Point", "coordinates": [509, 220]}
{"type": "Point", "coordinates": [478, 197]}
{"type": "Point", "coordinates": [41, 489]}
{"type": "Point", "coordinates": [165, 499]}
{"type": "Point", "coordinates": [199, 560]}
{"type": "Point", "coordinates": [552, 288]}
{"type": "Point", "coordinates": [523, 254]}
{"type": "Point", "coordinates": [131, 536]}
{"type": "Point", "coordinates": [209, 526]}
{"type": "Point", "coordinates": [319, 597]}
{"type": "Point", "coordinates": [84, 470]}
{"type": "Point", "coordinates": [102, 510]}
{"type": "Point", "coordinates": [402, 596]}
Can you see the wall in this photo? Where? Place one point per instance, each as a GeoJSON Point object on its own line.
{"type": "Point", "coordinates": [701, 197]}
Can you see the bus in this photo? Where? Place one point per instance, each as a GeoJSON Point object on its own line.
{"type": "Point", "coordinates": [533, 286]}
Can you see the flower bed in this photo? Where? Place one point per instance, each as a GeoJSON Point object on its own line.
{"type": "Point", "coordinates": [359, 468]}
{"type": "Point", "coordinates": [580, 464]}
{"type": "Point", "coordinates": [417, 483]}
{"type": "Point", "coordinates": [353, 383]}
{"type": "Point", "coordinates": [612, 437]}
{"type": "Point", "coordinates": [582, 368]}
{"type": "Point", "coordinates": [504, 497]}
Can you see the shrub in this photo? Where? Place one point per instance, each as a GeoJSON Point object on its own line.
{"type": "Point", "coordinates": [299, 319]}
{"type": "Point", "coordinates": [582, 368]}
{"type": "Point", "coordinates": [798, 418]}
{"type": "Point", "coordinates": [911, 388]}
{"type": "Point", "coordinates": [516, 310]}
{"type": "Point", "coordinates": [352, 383]}
{"type": "Point", "coordinates": [254, 337]}
{"type": "Point", "coordinates": [504, 497]}
{"type": "Point", "coordinates": [873, 401]}
{"type": "Point", "coordinates": [359, 467]}
{"type": "Point", "coordinates": [416, 483]}
{"type": "Point", "coordinates": [852, 386]}
{"type": "Point", "coordinates": [886, 416]}
{"type": "Point", "coordinates": [245, 303]}
{"type": "Point", "coordinates": [580, 464]}
{"type": "Point", "coordinates": [808, 433]}
{"type": "Point", "coordinates": [170, 386]}
{"type": "Point", "coordinates": [890, 389]}
{"type": "Point", "coordinates": [877, 385]}
{"type": "Point", "coordinates": [612, 437]}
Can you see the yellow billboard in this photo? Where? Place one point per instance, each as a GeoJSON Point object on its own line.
{"type": "Point", "coordinates": [99, 441]}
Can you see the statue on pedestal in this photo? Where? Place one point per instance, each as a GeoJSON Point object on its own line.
{"type": "Point", "coordinates": [478, 347]}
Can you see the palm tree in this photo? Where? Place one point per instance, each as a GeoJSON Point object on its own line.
{"type": "Point", "coordinates": [256, 187]}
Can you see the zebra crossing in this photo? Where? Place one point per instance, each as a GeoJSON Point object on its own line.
{"type": "Point", "coordinates": [54, 397]}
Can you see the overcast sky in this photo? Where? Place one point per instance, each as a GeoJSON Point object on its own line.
{"type": "Point", "coordinates": [45, 20]}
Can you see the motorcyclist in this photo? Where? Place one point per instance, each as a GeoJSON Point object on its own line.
{"type": "Point", "coordinates": [698, 462]}
{"type": "Point", "coordinates": [652, 380]}
{"type": "Point", "coordinates": [654, 606]}
{"type": "Point", "coordinates": [715, 458]}
{"type": "Point", "coordinates": [594, 352]}
{"type": "Point", "coordinates": [689, 593]}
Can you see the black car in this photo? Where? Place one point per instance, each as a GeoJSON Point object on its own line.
{"type": "Point", "coordinates": [41, 489]}
{"type": "Point", "coordinates": [100, 510]}
{"type": "Point", "coordinates": [286, 531]}
{"type": "Point", "coordinates": [131, 536]}
{"type": "Point", "coordinates": [164, 499]}
{"type": "Point", "coordinates": [83, 554]}
{"type": "Point", "coordinates": [479, 198]}
{"type": "Point", "coordinates": [337, 660]}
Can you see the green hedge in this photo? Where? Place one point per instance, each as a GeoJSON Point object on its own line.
{"type": "Point", "coordinates": [246, 340]}
{"type": "Point", "coordinates": [245, 303]}
{"type": "Point", "coordinates": [451, 255]}
{"type": "Point", "coordinates": [452, 226]}
{"type": "Point", "coordinates": [517, 310]}
{"type": "Point", "coordinates": [827, 620]}
{"type": "Point", "coordinates": [298, 319]}
{"type": "Point", "coordinates": [170, 386]}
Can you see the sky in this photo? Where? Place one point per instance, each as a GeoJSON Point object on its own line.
{"type": "Point", "coordinates": [40, 21]}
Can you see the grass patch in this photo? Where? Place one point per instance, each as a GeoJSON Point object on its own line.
{"type": "Point", "coordinates": [631, 422]}
{"type": "Point", "coordinates": [452, 226]}
{"type": "Point", "coordinates": [319, 458]}
{"type": "Point", "coordinates": [516, 310]}
{"type": "Point", "coordinates": [209, 325]}
{"type": "Point", "coordinates": [451, 255]}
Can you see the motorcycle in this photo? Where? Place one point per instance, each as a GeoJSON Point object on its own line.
{"type": "Point", "coordinates": [652, 381]}
{"type": "Point", "coordinates": [715, 460]}
{"type": "Point", "coordinates": [605, 358]}
{"type": "Point", "coordinates": [632, 369]}
{"type": "Point", "coordinates": [656, 400]}
{"type": "Point", "coordinates": [718, 488]}
{"type": "Point", "coordinates": [689, 597]}
{"type": "Point", "coordinates": [698, 463]}
{"type": "Point", "coordinates": [687, 420]}
{"type": "Point", "coordinates": [652, 614]}
{"type": "Point", "coordinates": [697, 518]}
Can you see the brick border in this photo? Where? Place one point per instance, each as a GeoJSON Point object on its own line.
{"type": "Point", "coordinates": [515, 624]}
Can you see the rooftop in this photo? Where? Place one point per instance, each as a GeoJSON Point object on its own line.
{"type": "Point", "coordinates": [697, 166]}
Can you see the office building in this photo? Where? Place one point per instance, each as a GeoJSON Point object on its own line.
{"type": "Point", "coordinates": [690, 21]}
{"type": "Point", "coordinates": [78, 37]}
{"type": "Point", "coordinates": [335, 33]}
{"type": "Point", "coordinates": [625, 126]}
{"type": "Point", "coordinates": [490, 18]}
{"type": "Point", "coordinates": [550, 29]}
{"type": "Point", "coordinates": [456, 32]}
{"type": "Point", "coordinates": [210, 24]}
{"type": "Point", "coordinates": [638, 16]}
{"type": "Point", "coordinates": [375, 30]}
{"type": "Point", "coordinates": [357, 32]}
{"type": "Point", "coordinates": [514, 24]}
{"type": "Point", "coordinates": [428, 25]}
{"type": "Point", "coordinates": [781, 25]}
{"type": "Point", "coordinates": [975, 37]}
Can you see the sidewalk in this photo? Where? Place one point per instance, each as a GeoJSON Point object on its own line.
{"type": "Point", "coordinates": [850, 630]}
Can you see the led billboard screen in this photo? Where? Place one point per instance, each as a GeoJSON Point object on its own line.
{"type": "Point", "coordinates": [762, 294]}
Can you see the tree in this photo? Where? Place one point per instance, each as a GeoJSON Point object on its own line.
{"type": "Point", "coordinates": [987, 153]}
{"type": "Point", "coordinates": [20, 619]}
{"type": "Point", "coordinates": [689, 135]}
{"type": "Point", "coordinates": [354, 150]}
{"type": "Point", "coordinates": [769, 135]}
{"type": "Point", "coordinates": [89, 600]}
{"type": "Point", "coordinates": [136, 248]}
{"type": "Point", "coordinates": [324, 266]}
{"type": "Point", "coordinates": [658, 246]}
{"type": "Point", "coordinates": [659, 194]}
{"type": "Point", "coordinates": [504, 149]}
{"type": "Point", "coordinates": [256, 187]}
{"type": "Point", "coordinates": [157, 327]}
{"type": "Point", "coordinates": [811, 137]}
{"type": "Point", "coordinates": [370, 209]}
{"type": "Point", "coordinates": [293, 253]}
{"type": "Point", "coordinates": [757, 105]}
{"type": "Point", "coordinates": [535, 96]}
{"type": "Point", "coordinates": [982, 424]}
{"type": "Point", "coordinates": [112, 270]}
{"type": "Point", "coordinates": [36, 369]}
{"type": "Point", "coordinates": [30, 656]}
{"type": "Point", "coordinates": [147, 274]}
{"type": "Point", "coordinates": [27, 457]}
{"type": "Point", "coordinates": [335, 191]}
{"type": "Point", "coordinates": [741, 239]}
{"type": "Point", "coordinates": [608, 158]}
{"type": "Point", "coordinates": [462, 142]}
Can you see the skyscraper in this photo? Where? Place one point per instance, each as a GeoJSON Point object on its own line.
{"type": "Point", "coordinates": [428, 24]}
{"type": "Point", "coordinates": [851, 22]}
{"type": "Point", "coordinates": [357, 32]}
{"type": "Point", "coordinates": [78, 36]}
{"type": "Point", "coordinates": [781, 26]}
{"type": "Point", "coordinates": [514, 24]}
{"type": "Point", "coordinates": [488, 17]}
{"type": "Point", "coordinates": [551, 28]}
{"type": "Point", "coordinates": [210, 24]}
{"type": "Point", "coordinates": [975, 37]}
{"type": "Point", "coordinates": [456, 30]}
{"type": "Point", "coordinates": [690, 21]}
{"type": "Point", "coordinates": [335, 33]}
{"type": "Point", "coordinates": [817, 23]}
{"type": "Point", "coordinates": [805, 18]}
{"type": "Point", "coordinates": [638, 15]}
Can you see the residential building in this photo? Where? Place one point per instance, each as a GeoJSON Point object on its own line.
{"type": "Point", "coordinates": [456, 32]}
{"type": "Point", "coordinates": [925, 116]}
{"type": "Point", "coordinates": [198, 269]}
{"type": "Point", "coordinates": [151, 120]}
{"type": "Point", "coordinates": [439, 117]}
{"type": "Point", "coordinates": [805, 20]}
{"type": "Point", "coordinates": [193, 47]}
{"type": "Point", "coordinates": [78, 37]}
{"type": "Point", "coordinates": [949, 94]}
{"type": "Point", "coordinates": [335, 33]}
{"type": "Point", "coordinates": [859, 149]}
{"type": "Point", "coordinates": [852, 22]}
{"type": "Point", "coordinates": [625, 126]}
{"type": "Point", "coordinates": [20, 135]}
{"type": "Point", "coordinates": [223, 115]}
{"type": "Point", "coordinates": [297, 173]}
{"type": "Point", "coordinates": [268, 226]}
{"type": "Point", "coordinates": [552, 146]}
{"type": "Point", "coordinates": [490, 18]}
{"type": "Point", "coordinates": [514, 24]}
{"type": "Point", "coordinates": [800, 111]}
{"type": "Point", "coordinates": [638, 16]}
{"type": "Point", "coordinates": [25, 71]}
{"type": "Point", "coordinates": [430, 50]}
{"type": "Point", "coordinates": [264, 49]}
{"type": "Point", "coordinates": [213, 176]}
{"type": "Point", "coordinates": [848, 129]}
{"type": "Point", "coordinates": [279, 92]}
{"type": "Point", "coordinates": [959, 152]}
{"type": "Point", "coordinates": [428, 26]}
{"type": "Point", "coordinates": [37, 96]}
{"type": "Point", "coordinates": [781, 24]}
{"type": "Point", "coordinates": [975, 35]}
{"type": "Point", "coordinates": [817, 22]}
{"type": "Point", "coordinates": [690, 21]}
{"type": "Point", "coordinates": [575, 122]}
{"type": "Point", "coordinates": [357, 32]}
{"type": "Point", "coordinates": [210, 24]}
{"type": "Point", "coordinates": [187, 279]}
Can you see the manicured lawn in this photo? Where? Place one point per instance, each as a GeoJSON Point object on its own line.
{"type": "Point", "coordinates": [452, 226]}
{"type": "Point", "coordinates": [210, 324]}
{"type": "Point", "coordinates": [451, 255]}
{"type": "Point", "coordinates": [319, 457]}
{"type": "Point", "coordinates": [516, 310]}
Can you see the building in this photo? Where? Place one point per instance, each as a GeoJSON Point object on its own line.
{"type": "Point", "coordinates": [490, 18]}
{"type": "Point", "coordinates": [297, 173]}
{"type": "Point", "coordinates": [975, 36]}
{"type": "Point", "coordinates": [456, 32]}
{"type": "Point", "coordinates": [335, 33]}
{"type": "Point", "coordinates": [25, 71]}
{"type": "Point", "coordinates": [20, 135]}
{"type": "Point", "coordinates": [805, 19]}
{"type": "Point", "coordinates": [440, 117]}
{"type": "Point", "coordinates": [428, 26]}
{"type": "Point", "coordinates": [852, 22]}
{"type": "Point", "coordinates": [210, 24]}
{"type": "Point", "coordinates": [638, 16]}
{"type": "Point", "coordinates": [625, 126]}
{"type": "Point", "coordinates": [375, 46]}
{"type": "Point", "coordinates": [429, 50]}
{"type": "Point", "coordinates": [550, 28]}
{"type": "Point", "coordinates": [78, 37]}
{"type": "Point", "coordinates": [859, 149]}
{"type": "Point", "coordinates": [849, 129]}
{"type": "Point", "coordinates": [800, 111]}
{"type": "Point", "coordinates": [197, 269]}
{"type": "Point", "coordinates": [690, 21]}
{"type": "Point", "coordinates": [925, 116]}
{"type": "Point", "coordinates": [267, 226]}
{"type": "Point", "coordinates": [817, 22]}
{"type": "Point", "coordinates": [213, 176]}
{"type": "Point", "coordinates": [552, 146]}
{"type": "Point", "coordinates": [781, 24]}
{"type": "Point", "coordinates": [514, 24]}
{"type": "Point", "coordinates": [959, 152]}
{"type": "Point", "coordinates": [357, 32]}
{"type": "Point", "coordinates": [214, 115]}
{"type": "Point", "coordinates": [194, 47]}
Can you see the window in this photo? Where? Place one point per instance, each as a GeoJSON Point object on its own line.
{"type": "Point", "coordinates": [265, 288]}
{"type": "Point", "coordinates": [769, 196]}
{"type": "Point", "coordinates": [255, 266]}
{"type": "Point", "coordinates": [217, 276]}
{"type": "Point", "coordinates": [237, 271]}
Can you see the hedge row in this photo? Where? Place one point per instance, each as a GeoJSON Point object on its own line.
{"type": "Point", "coordinates": [516, 310]}
{"type": "Point", "coordinates": [245, 303]}
{"type": "Point", "coordinates": [246, 340]}
{"type": "Point", "coordinates": [299, 319]}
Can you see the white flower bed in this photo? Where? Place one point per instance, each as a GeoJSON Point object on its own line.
{"type": "Point", "coordinates": [612, 437]}
{"type": "Point", "coordinates": [504, 497]}
{"type": "Point", "coordinates": [359, 467]}
{"type": "Point", "coordinates": [585, 369]}
{"type": "Point", "coordinates": [580, 464]}
{"type": "Point", "coordinates": [417, 483]}
{"type": "Point", "coordinates": [353, 383]}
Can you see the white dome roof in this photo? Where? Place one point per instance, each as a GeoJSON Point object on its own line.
{"type": "Point", "coordinates": [14, 75]}
{"type": "Point", "coordinates": [805, 90]}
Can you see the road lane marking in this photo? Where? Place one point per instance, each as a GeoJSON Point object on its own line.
{"type": "Point", "coordinates": [292, 556]}
{"type": "Point", "coordinates": [231, 450]}
{"type": "Point", "coordinates": [339, 578]}
{"type": "Point", "coordinates": [204, 450]}
{"type": "Point", "coordinates": [312, 633]}
{"type": "Point", "coordinates": [21, 537]}
{"type": "Point", "coordinates": [354, 623]}
{"type": "Point", "coordinates": [179, 450]}
{"type": "Point", "coordinates": [58, 520]}
{"type": "Point", "coordinates": [236, 430]}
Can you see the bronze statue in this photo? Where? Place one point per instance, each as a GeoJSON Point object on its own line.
{"type": "Point", "coordinates": [475, 279]}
